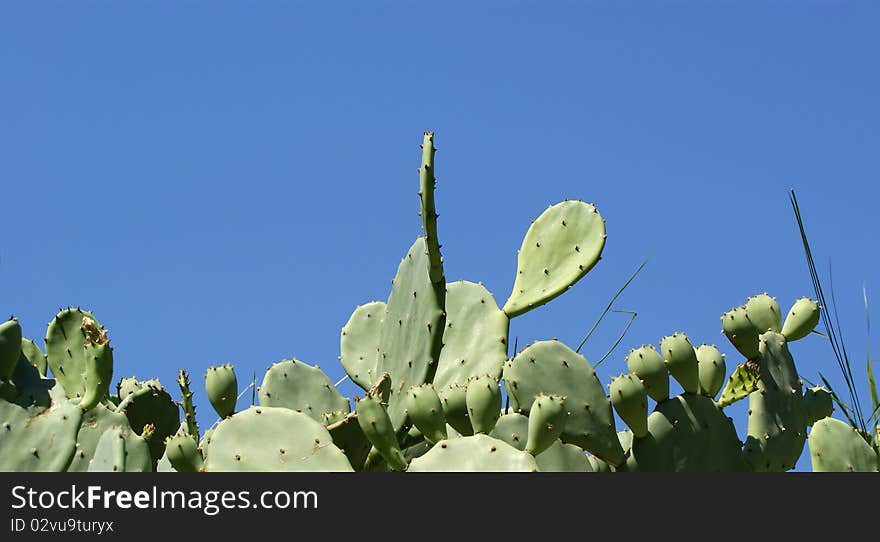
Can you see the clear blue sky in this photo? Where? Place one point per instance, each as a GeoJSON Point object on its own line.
{"type": "Point", "coordinates": [226, 183]}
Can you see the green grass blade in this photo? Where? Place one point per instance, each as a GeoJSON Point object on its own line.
{"type": "Point", "coordinates": [620, 337]}
{"type": "Point", "coordinates": [610, 303]}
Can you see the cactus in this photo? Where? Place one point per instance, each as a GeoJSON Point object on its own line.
{"type": "Point", "coordinates": [454, 401]}
{"type": "Point", "coordinates": [688, 433]}
{"type": "Point", "coordinates": [764, 313]}
{"type": "Point", "coordinates": [32, 353]}
{"type": "Point", "coordinates": [475, 338]}
{"type": "Point", "coordinates": [148, 403]}
{"type": "Point", "coordinates": [95, 423]}
{"type": "Point", "coordinates": [66, 348]}
{"type": "Point", "coordinates": [837, 447]}
{"type": "Point", "coordinates": [802, 318]}
{"type": "Point", "coordinates": [359, 343]}
{"type": "Point", "coordinates": [712, 369]}
{"type": "Point", "coordinates": [425, 410]}
{"type": "Point", "coordinates": [376, 425]}
{"type": "Point", "coordinates": [38, 441]}
{"type": "Point", "coordinates": [513, 429]}
{"type": "Point", "coordinates": [273, 439]}
{"type": "Point", "coordinates": [349, 437]}
{"type": "Point", "coordinates": [98, 365]}
{"type": "Point", "coordinates": [630, 399]}
{"type": "Point", "coordinates": [476, 453]}
{"type": "Point", "coordinates": [222, 388]}
{"type": "Point", "coordinates": [10, 348]}
{"type": "Point", "coordinates": [777, 427]}
{"type": "Point", "coordinates": [740, 331]}
{"type": "Point", "coordinates": [552, 368]}
{"type": "Point", "coordinates": [483, 399]}
{"type": "Point", "coordinates": [120, 450]}
{"type": "Point", "coordinates": [183, 453]}
{"type": "Point", "coordinates": [818, 404]}
{"type": "Point", "coordinates": [547, 418]}
{"type": "Point", "coordinates": [646, 363]}
{"type": "Point", "coordinates": [186, 403]}
{"type": "Point", "coordinates": [559, 248]}
{"type": "Point", "coordinates": [412, 331]}
{"type": "Point", "coordinates": [301, 387]}
{"type": "Point", "coordinates": [741, 383]}
{"type": "Point", "coordinates": [681, 360]}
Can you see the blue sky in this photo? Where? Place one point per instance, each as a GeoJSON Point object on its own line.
{"type": "Point", "coordinates": [225, 183]}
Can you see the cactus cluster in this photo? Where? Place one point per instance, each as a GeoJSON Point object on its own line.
{"type": "Point", "coordinates": [433, 363]}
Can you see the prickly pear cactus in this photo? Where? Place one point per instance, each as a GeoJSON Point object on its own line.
{"type": "Point", "coordinates": [477, 453]}
{"type": "Point", "coordinates": [513, 429]}
{"type": "Point", "coordinates": [32, 353]}
{"type": "Point", "coordinates": [301, 387]}
{"type": "Point", "coordinates": [41, 441]}
{"type": "Point", "coordinates": [148, 403]}
{"type": "Point", "coordinates": [838, 447]}
{"type": "Point", "coordinates": [359, 343]}
{"type": "Point", "coordinates": [475, 339]}
{"type": "Point", "coordinates": [559, 248]}
{"type": "Point", "coordinates": [120, 450]}
{"type": "Point", "coordinates": [818, 403]}
{"type": "Point", "coordinates": [483, 398]}
{"type": "Point", "coordinates": [681, 360]}
{"type": "Point", "coordinates": [646, 363]}
{"type": "Point", "coordinates": [802, 318]}
{"type": "Point", "coordinates": [712, 369]}
{"type": "Point", "coordinates": [10, 348]}
{"type": "Point", "coordinates": [222, 388]}
{"type": "Point", "coordinates": [741, 383]}
{"type": "Point", "coordinates": [95, 423]}
{"type": "Point", "coordinates": [547, 419]}
{"type": "Point", "coordinates": [630, 400]}
{"type": "Point", "coordinates": [777, 428]}
{"type": "Point", "coordinates": [412, 332]}
{"type": "Point", "coordinates": [273, 439]}
{"type": "Point", "coordinates": [425, 410]}
{"type": "Point", "coordinates": [552, 368]}
{"type": "Point", "coordinates": [66, 348]}
{"type": "Point", "coordinates": [688, 433]}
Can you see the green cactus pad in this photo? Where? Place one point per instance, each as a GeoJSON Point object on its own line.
{"type": "Point", "coordinates": [483, 397]}
{"type": "Point", "coordinates": [31, 390]}
{"type": "Point", "coordinates": [148, 403]}
{"type": "Point", "coordinates": [412, 331]}
{"type": "Point", "coordinates": [221, 386]}
{"type": "Point", "coordinates": [475, 339]}
{"type": "Point", "coordinates": [801, 319]}
{"type": "Point", "coordinates": [837, 447]}
{"type": "Point", "coordinates": [513, 429]}
{"type": "Point", "coordinates": [630, 400]}
{"type": "Point", "coordinates": [164, 465]}
{"type": "Point", "coordinates": [740, 331]}
{"type": "Point", "coordinates": [41, 441]}
{"type": "Point", "coordinates": [740, 384]}
{"type": "Point", "coordinates": [454, 401]}
{"type": "Point", "coordinates": [552, 368]}
{"type": "Point", "coordinates": [273, 439]}
{"type": "Point", "coordinates": [65, 348]}
{"type": "Point", "coordinates": [186, 402]}
{"type": "Point", "coordinates": [301, 387]}
{"type": "Point", "coordinates": [98, 360]}
{"type": "Point", "coordinates": [547, 419]}
{"type": "Point", "coordinates": [818, 403]}
{"type": "Point", "coordinates": [681, 360]}
{"type": "Point", "coordinates": [183, 453]}
{"type": "Point", "coordinates": [561, 457]}
{"type": "Point", "coordinates": [646, 363]}
{"type": "Point", "coordinates": [688, 433]}
{"type": "Point", "coordinates": [359, 343]}
{"type": "Point", "coordinates": [477, 453]}
{"type": "Point", "coordinates": [120, 450]}
{"type": "Point", "coordinates": [424, 409]}
{"type": "Point", "coordinates": [712, 369]}
{"type": "Point", "coordinates": [32, 353]}
{"type": "Point", "coordinates": [95, 423]}
{"type": "Point", "coordinates": [764, 313]}
{"type": "Point", "coordinates": [376, 425]}
{"type": "Point", "coordinates": [349, 437]}
{"type": "Point", "coordinates": [559, 248]}
{"type": "Point", "coordinates": [10, 348]}
{"type": "Point", "coordinates": [777, 427]}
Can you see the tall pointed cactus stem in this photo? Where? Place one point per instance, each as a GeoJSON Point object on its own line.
{"type": "Point", "coordinates": [427, 183]}
{"type": "Point", "coordinates": [189, 409]}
